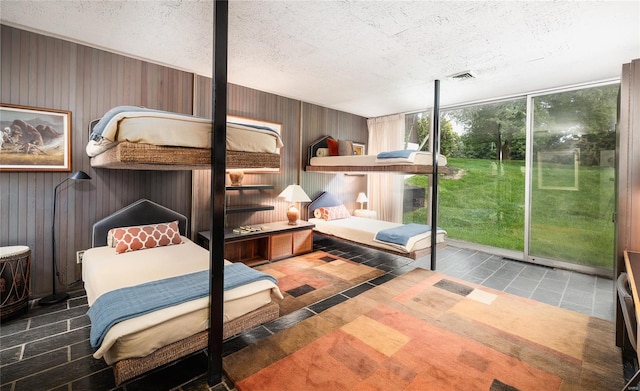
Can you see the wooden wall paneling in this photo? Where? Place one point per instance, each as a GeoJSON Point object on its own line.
{"type": "Point", "coordinates": [320, 121]}
{"type": "Point", "coordinates": [48, 72]}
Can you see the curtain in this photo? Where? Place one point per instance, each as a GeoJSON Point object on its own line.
{"type": "Point", "coordinates": [386, 189]}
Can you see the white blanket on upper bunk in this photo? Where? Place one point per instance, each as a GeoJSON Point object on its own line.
{"type": "Point", "coordinates": [173, 129]}
{"type": "Point", "coordinates": [417, 158]}
{"type": "Point", "coordinates": [364, 230]}
{"type": "Point", "coordinates": [104, 271]}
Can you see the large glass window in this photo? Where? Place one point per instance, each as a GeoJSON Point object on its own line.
{"type": "Point", "coordinates": [482, 198]}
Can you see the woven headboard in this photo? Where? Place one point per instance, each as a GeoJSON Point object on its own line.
{"type": "Point", "coordinates": [140, 212]}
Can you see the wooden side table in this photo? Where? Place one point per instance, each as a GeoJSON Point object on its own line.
{"type": "Point", "coordinates": [15, 273]}
{"type": "Point", "coordinates": [275, 241]}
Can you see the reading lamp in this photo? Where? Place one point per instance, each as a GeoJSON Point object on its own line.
{"type": "Point", "coordinates": [362, 198]}
{"type": "Point", "coordinates": [294, 194]}
{"type": "Point", "coordinates": [58, 297]}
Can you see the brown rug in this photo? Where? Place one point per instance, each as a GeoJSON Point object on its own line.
{"type": "Point", "coordinates": [312, 277]}
{"type": "Point", "coordinates": [427, 331]}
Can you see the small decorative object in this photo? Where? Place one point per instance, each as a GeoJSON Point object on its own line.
{"type": "Point", "coordinates": [33, 139]}
{"type": "Point", "coordinates": [294, 194]}
{"type": "Point", "coordinates": [362, 198]}
{"type": "Point", "coordinates": [236, 177]}
{"type": "Point", "coordinates": [358, 149]}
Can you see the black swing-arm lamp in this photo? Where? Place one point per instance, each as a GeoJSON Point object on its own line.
{"type": "Point", "coordinates": [58, 297]}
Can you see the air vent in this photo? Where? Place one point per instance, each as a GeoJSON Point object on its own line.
{"type": "Point", "coordinates": [463, 75]}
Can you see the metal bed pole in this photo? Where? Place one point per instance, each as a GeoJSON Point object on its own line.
{"type": "Point", "coordinates": [435, 150]}
{"type": "Point", "coordinates": [218, 168]}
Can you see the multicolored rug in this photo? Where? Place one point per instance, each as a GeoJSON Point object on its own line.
{"type": "Point", "coordinates": [312, 277]}
{"type": "Point", "coordinates": [427, 331]}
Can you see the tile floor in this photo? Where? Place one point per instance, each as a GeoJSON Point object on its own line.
{"type": "Point", "coordinates": [48, 348]}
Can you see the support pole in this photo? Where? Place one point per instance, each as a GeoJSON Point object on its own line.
{"type": "Point", "coordinates": [218, 169]}
{"type": "Point", "coordinates": [435, 151]}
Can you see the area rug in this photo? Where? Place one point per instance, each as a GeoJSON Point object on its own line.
{"type": "Point", "coordinates": [427, 331]}
{"type": "Point", "coordinates": [315, 276]}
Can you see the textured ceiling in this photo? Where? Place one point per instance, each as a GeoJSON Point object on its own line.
{"type": "Point", "coordinates": [365, 57]}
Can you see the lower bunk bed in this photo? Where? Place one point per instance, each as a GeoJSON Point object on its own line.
{"type": "Point", "coordinates": [148, 291]}
{"type": "Point", "coordinates": [332, 219]}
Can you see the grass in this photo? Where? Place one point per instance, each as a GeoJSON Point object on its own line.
{"type": "Point", "coordinates": [483, 203]}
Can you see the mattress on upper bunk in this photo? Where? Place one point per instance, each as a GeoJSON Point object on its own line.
{"type": "Point", "coordinates": [416, 158]}
{"type": "Point", "coordinates": [364, 230]}
{"type": "Point", "coordinates": [104, 271]}
{"type": "Point", "coordinates": [127, 135]}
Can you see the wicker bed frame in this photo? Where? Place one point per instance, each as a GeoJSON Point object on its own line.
{"type": "Point", "coordinates": [147, 212]}
{"type": "Point", "coordinates": [134, 156]}
{"type": "Point", "coordinates": [129, 368]}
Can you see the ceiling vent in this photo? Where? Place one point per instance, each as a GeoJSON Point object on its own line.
{"type": "Point", "coordinates": [463, 75]}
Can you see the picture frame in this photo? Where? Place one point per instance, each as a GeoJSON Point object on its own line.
{"type": "Point", "coordinates": [34, 139]}
{"type": "Point", "coordinates": [559, 170]}
{"type": "Point", "coordinates": [359, 149]}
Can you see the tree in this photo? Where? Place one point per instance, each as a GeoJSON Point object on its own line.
{"type": "Point", "coordinates": [418, 132]}
{"type": "Point", "coordinates": [493, 131]}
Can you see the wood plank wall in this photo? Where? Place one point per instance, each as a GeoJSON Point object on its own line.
{"type": "Point", "coordinates": [302, 123]}
{"type": "Point", "coordinates": [47, 72]}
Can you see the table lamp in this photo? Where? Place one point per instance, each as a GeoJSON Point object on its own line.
{"type": "Point", "coordinates": [362, 198]}
{"type": "Point", "coordinates": [294, 194]}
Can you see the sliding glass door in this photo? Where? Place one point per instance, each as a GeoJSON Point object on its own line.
{"type": "Point", "coordinates": [572, 178]}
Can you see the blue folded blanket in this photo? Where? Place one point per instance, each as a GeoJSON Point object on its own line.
{"type": "Point", "coordinates": [401, 153]}
{"type": "Point", "coordinates": [401, 234]}
{"type": "Point", "coordinates": [126, 303]}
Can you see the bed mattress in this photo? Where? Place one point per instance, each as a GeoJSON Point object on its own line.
{"type": "Point", "coordinates": [422, 158]}
{"type": "Point", "coordinates": [104, 270]}
{"type": "Point", "coordinates": [363, 230]}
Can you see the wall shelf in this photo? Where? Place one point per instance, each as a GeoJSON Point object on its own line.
{"type": "Point", "coordinates": [248, 208]}
{"type": "Point", "coordinates": [250, 187]}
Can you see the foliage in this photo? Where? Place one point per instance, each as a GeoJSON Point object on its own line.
{"type": "Point", "coordinates": [418, 132]}
{"type": "Point", "coordinates": [493, 131]}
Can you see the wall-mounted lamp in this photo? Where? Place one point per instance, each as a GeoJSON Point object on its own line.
{"type": "Point", "coordinates": [294, 194]}
{"type": "Point", "coordinates": [58, 297]}
{"type": "Point", "coordinates": [362, 198]}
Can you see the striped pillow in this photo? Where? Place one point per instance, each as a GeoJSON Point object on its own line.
{"type": "Point", "coordinates": [127, 239]}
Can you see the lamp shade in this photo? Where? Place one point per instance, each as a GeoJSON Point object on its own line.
{"type": "Point", "coordinates": [362, 198]}
{"type": "Point", "coordinates": [294, 193]}
{"type": "Point", "coordinates": [80, 176]}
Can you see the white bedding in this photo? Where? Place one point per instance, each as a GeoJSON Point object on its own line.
{"type": "Point", "coordinates": [169, 129]}
{"type": "Point", "coordinates": [418, 158]}
{"type": "Point", "coordinates": [103, 270]}
{"type": "Point", "coordinates": [364, 230]}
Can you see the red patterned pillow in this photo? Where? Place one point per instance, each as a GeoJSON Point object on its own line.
{"type": "Point", "coordinates": [145, 236]}
{"type": "Point", "coordinates": [334, 212]}
{"type": "Point", "coordinates": [332, 144]}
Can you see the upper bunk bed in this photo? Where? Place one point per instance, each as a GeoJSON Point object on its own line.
{"type": "Point", "coordinates": [135, 138]}
{"type": "Point", "coordinates": [324, 156]}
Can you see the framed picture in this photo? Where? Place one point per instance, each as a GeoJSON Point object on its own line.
{"type": "Point", "coordinates": [358, 149]}
{"type": "Point", "coordinates": [34, 139]}
{"type": "Point", "coordinates": [559, 170]}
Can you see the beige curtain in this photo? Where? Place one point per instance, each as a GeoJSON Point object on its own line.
{"type": "Point", "coordinates": [385, 191]}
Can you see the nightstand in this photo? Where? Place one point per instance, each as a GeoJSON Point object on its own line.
{"type": "Point", "coordinates": [366, 213]}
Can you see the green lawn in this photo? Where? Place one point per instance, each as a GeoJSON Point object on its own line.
{"type": "Point", "coordinates": [482, 203]}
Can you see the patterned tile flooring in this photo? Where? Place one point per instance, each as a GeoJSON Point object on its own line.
{"type": "Point", "coordinates": [47, 348]}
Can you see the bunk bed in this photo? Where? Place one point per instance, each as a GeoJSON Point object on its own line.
{"type": "Point", "coordinates": [368, 232]}
{"type": "Point", "coordinates": [408, 162]}
{"type": "Point", "coordinates": [137, 342]}
{"type": "Point", "coordinates": [324, 156]}
{"type": "Point", "coordinates": [129, 137]}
